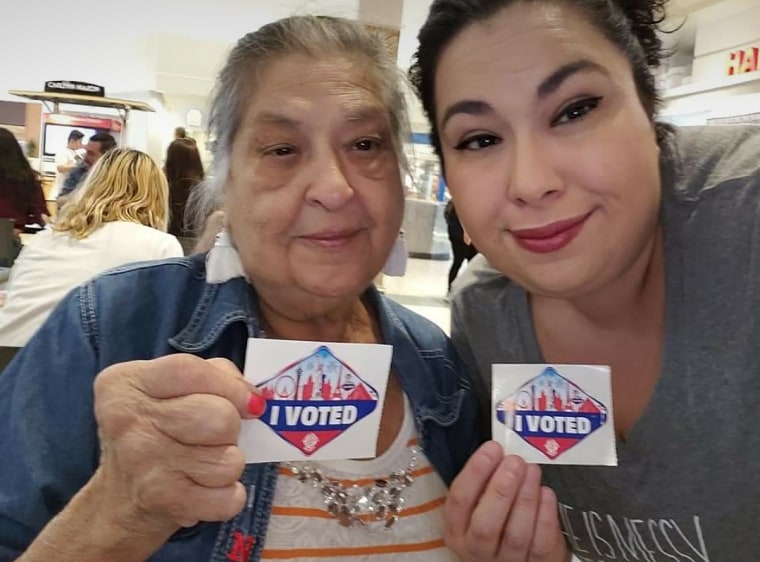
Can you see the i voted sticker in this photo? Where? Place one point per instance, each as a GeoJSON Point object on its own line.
{"type": "Point", "coordinates": [558, 414]}
{"type": "Point", "coordinates": [323, 400]}
{"type": "Point", "coordinates": [312, 401]}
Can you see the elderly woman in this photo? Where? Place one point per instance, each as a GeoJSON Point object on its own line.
{"type": "Point", "coordinates": [612, 239]}
{"type": "Point", "coordinates": [309, 124]}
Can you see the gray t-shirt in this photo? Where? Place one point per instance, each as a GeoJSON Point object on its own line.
{"type": "Point", "coordinates": [687, 487]}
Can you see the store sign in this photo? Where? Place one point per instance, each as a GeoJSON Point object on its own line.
{"type": "Point", "coordinates": [77, 88]}
{"type": "Point", "coordinates": [743, 61]}
{"type": "Point", "coordinates": [75, 120]}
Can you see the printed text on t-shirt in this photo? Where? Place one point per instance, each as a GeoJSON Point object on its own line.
{"type": "Point", "coordinates": [600, 537]}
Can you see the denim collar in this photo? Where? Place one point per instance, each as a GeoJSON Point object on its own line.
{"type": "Point", "coordinates": [223, 304]}
{"type": "Point", "coordinates": [219, 306]}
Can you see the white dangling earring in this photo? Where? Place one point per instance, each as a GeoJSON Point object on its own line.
{"type": "Point", "coordinates": [222, 261]}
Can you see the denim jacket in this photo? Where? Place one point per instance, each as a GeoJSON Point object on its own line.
{"type": "Point", "coordinates": [48, 434]}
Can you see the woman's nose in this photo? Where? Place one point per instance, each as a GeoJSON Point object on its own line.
{"type": "Point", "coordinates": [534, 178]}
{"type": "Point", "coordinates": [328, 182]}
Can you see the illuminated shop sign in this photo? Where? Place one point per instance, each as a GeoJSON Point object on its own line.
{"type": "Point", "coordinates": [743, 61]}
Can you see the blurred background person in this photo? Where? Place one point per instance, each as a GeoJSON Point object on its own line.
{"type": "Point", "coordinates": [461, 246]}
{"type": "Point", "coordinates": [180, 133]}
{"type": "Point", "coordinates": [184, 170]}
{"type": "Point", "coordinates": [21, 196]}
{"type": "Point", "coordinates": [67, 160]}
{"type": "Point", "coordinates": [118, 216]}
{"type": "Point", "coordinates": [99, 143]}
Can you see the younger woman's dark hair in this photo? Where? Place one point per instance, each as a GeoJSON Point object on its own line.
{"type": "Point", "coordinates": [16, 175]}
{"type": "Point", "coordinates": [631, 25]}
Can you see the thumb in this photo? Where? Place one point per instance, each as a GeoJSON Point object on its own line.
{"type": "Point", "coordinates": [246, 397]}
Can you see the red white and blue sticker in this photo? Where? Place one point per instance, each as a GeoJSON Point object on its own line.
{"type": "Point", "coordinates": [317, 394]}
{"type": "Point", "coordinates": [559, 414]}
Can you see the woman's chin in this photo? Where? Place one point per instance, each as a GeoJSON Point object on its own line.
{"type": "Point", "coordinates": [565, 288]}
{"type": "Point", "coordinates": [337, 286]}
{"type": "Point", "coordinates": [560, 283]}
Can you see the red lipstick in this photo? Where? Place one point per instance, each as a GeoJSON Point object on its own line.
{"type": "Point", "coordinates": [551, 237]}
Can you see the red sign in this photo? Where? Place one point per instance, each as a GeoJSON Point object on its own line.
{"type": "Point", "coordinates": [74, 120]}
{"type": "Point", "coordinates": [743, 61]}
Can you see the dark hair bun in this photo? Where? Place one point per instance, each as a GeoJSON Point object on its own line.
{"type": "Point", "coordinates": [645, 17]}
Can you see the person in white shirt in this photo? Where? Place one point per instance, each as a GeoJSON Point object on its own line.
{"type": "Point", "coordinates": [118, 216]}
{"type": "Point", "coordinates": [67, 160]}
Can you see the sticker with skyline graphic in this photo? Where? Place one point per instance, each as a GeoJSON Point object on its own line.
{"type": "Point", "coordinates": [554, 414]}
{"type": "Point", "coordinates": [322, 399]}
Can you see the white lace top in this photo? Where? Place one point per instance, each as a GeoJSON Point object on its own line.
{"type": "Point", "coordinates": [301, 529]}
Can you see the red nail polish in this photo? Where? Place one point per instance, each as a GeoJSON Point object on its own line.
{"type": "Point", "coordinates": [257, 405]}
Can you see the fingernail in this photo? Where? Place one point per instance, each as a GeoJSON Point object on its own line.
{"type": "Point", "coordinates": [257, 405]}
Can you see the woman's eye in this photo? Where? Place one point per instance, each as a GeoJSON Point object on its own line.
{"type": "Point", "coordinates": [365, 145]}
{"type": "Point", "coordinates": [478, 142]}
{"type": "Point", "coordinates": [577, 110]}
{"type": "Point", "coordinates": [281, 151]}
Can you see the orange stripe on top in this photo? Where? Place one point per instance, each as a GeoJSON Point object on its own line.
{"type": "Point", "coordinates": [364, 481]}
{"type": "Point", "coordinates": [322, 514]}
{"type": "Point", "coordinates": [350, 551]}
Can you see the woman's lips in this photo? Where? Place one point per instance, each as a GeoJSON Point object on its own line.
{"type": "Point", "coordinates": [552, 237]}
{"type": "Point", "coordinates": [330, 239]}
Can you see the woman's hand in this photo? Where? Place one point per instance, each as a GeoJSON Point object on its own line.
{"type": "Point", "coordinates": [497, 510]}
{"type": "Point", "coordinates": [169, 458]}
{"type": "Point", "coordinates": [169, 430]}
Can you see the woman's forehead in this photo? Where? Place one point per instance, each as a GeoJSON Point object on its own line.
{"type": "Point", "coordinates": [521, 46]}
{"type": "Point", "coordinates": [292, 89]}
{"type": "Point", "coordinates": [304, 75]}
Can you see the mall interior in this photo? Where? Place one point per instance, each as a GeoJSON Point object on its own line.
{"type": "Point", "coordinates": [143, 72]}
{"type": "Point", "coordinates": [164, 57]}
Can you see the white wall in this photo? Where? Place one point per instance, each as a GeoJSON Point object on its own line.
{"type": "Point", "coordinates": [39, 44]}
{"type": "Point", "coordinates": [720, 28]}
{"type": "Point", "coordinates": [135, 49]}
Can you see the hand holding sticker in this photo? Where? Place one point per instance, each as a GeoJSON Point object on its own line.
{"type": "Point", "coordinates": [498, 510]}
{"type": "Point", "coordinates": [554, 414]}
{"type": "Point", "coordinates": [151, 413]}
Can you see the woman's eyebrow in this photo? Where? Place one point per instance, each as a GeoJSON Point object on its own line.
{"type": "Point", "coordinates": [551, 83]}
{"type": "Point", "coordinates": [274, 118]}
{"type": "Point", "coordinates": [467, 107]}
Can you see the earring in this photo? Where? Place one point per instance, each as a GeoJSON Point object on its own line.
{"type": "Point", "coordinates": [223, 261]}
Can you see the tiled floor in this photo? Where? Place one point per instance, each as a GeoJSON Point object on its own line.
{"type": "Point", "coordinates": [423, 289]}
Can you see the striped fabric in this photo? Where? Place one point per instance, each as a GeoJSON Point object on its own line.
{"type": "Point", "coordinates": [301, 529]}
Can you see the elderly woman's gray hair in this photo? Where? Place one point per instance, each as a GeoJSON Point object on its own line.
{"type": "Point", "coordinates": [316, 36]}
